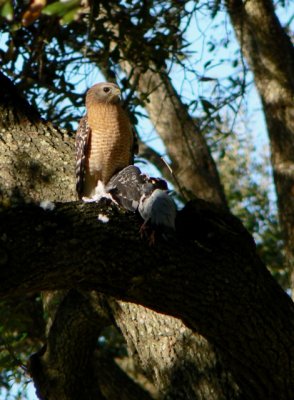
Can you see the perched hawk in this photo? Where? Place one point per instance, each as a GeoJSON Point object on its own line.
{"type": "Point", "coordinates": [149, 196]}
{"type": "Point", "coordinates": [104, 139]}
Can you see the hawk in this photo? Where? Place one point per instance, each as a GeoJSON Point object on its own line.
{"type": "Point", "coordinates": [104, 139]}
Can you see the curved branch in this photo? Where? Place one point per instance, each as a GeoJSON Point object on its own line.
{"type": "Point", "coordinates": [210, 277]}
{"type": "Point", "coordinates": [197, 175]}
{"type": "Point", "coordinates": [36, 159]}
{"type": "Point", "coordinates": [70, 366]}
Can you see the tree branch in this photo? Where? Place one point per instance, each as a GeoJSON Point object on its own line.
{"type": "Point", "coordinates": [63, 369]}
{"type": "Point", "coordinates": [210, 277]}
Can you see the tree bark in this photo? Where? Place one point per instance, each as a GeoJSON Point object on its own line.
{"type": "Point", "coordinates": [64, 368]}
{"type": "Point", "coordinates": [36, 159]}
{"type": "Point", "coordinates": [211, 279]}
{"type": "Point", "coordinates": [270, 54]}
{"type": "Point", "coordinates": [179, 362]}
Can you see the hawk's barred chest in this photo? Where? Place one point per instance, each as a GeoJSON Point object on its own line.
{"type": "Point", "coordinates": [111, 139]}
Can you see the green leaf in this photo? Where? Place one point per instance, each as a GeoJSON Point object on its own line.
{"type": "Point", "coordinates": [6, 10]}
{"type": "Point", "coordinates": [206, 79]}
{"type": "Point", "coordinates": [207, 105]}
{"type": "Point", "coordinates": [61, 8]}
{"type": "Point", "coordinates": [235, 63]}
{"type": "Point", "coordinates": [69, 17]}
{"type": "Point", "coordinates": [207, 63]}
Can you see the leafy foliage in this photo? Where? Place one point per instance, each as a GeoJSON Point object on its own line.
{"type": "Point", "coordinates": [48, 59]}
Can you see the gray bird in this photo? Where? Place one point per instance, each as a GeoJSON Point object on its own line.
{"type": "Point", "coordinates": [149, 196]}
{"type": "Point", "coordinates": [159, 211]}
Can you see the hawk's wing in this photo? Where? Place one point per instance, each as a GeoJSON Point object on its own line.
{"type": "Point", "coordinates": [126, 187]}
{"type": "Point", "coordinates": [82, 141]}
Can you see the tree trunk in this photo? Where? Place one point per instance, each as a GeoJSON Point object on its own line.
{"type": "Point", "coordinates": [270, 54]}
{"type": "Point", "coordinates": [180, 363]}
{"type": "Point", "coordinates": [192, 162]}
{"type": "Point", "coordinates": [63, 369]}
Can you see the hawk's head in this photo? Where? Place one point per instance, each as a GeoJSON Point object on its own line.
{"type": "Point", "coordinates": [105, 92]}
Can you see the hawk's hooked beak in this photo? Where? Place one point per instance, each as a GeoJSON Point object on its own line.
{"type": "Point", "coordinates": [115, 95]}
{"type": "Point", "coordinates": [116, 92]}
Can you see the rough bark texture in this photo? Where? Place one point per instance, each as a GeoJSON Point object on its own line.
{"type": "Point", "coordinates": [180, 363]}
{"type": "Point", "coordinates": [64, 367]}
{"type": "Point", "coordinates": [270, 54]}
{"type": "Point", "coordinates": [211, 279]}
{"type": "Point", "coordinates": [36, 159]}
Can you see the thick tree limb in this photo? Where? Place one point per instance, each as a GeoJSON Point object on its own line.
{"type": "Point", "coordinates": [197, 175]}
{"type": "Point", "coordinates": [114, 383]}
{"type": "Point", "coordinates": [211, 279]}
{"type": "Point", "coordinates": [64, 368]}
{"type": "Point", "coordinates": [179, 362]}
{"type": "Point", "coordinates": [36, 159]}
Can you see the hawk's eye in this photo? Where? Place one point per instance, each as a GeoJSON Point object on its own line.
{"type": "Point", "coordinates": [106, 89]}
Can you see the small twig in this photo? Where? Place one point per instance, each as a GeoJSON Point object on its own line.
{"type": "Point", "coordinates": [174, 178]}
{"type": "Point", "coordinates": [12, 355]}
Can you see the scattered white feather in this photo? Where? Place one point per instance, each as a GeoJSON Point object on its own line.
{"type": "Point", "coordinates": [103, 218]}
{"type": "Point", "coordinates": [47, 205]}
{"type": "Point", "coordinates": [88, 199]}
{"type": "Point", "coordinates": [100, 192]}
